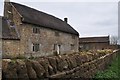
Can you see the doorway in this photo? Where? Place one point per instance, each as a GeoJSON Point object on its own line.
{"type": "Point", "coordinates": [57, 48]}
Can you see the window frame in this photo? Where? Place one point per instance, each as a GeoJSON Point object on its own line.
{"type": "Point", "coordinates": [72, 46]}
{"type": "Point", "coordinates": [73, 36]}
{"type": "Point", "coordinates": [36, 30]}
{"type": "Point", "coordinates": [35, 47]}
{"type": "Point", "coordinates": [57, 33]}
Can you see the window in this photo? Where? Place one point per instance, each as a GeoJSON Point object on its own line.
{"type": "Point", "coordinates": [36, 47]}
{"type": "Point", "coordinates": [36, 30]}
{"type": "Point", "coordinates": [54, 47]}
{"type": "Point", "coordinates": [57, 33]}
{"type": "Point", "coordinates": [72, 46]}
{"type": "Point", "coordinates": [81, 46]}
{"type": "Point", "coordinates": [73, 36]}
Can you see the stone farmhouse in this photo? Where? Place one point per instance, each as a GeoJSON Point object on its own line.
{"type": "Point", "coordinates": [27, 31]}
{"type": "Point", "coordinates": [94, 43]}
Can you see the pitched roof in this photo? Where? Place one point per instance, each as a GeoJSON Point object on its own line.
{"type": "Point", "coordinates": [101, 39]}
{"type": "Point", "coordinates": [8, 31]}
{"type": "Point", "coordinates": [39, 18]}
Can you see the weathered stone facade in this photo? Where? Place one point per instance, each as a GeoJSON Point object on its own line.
{"type": "Point", "coordinates": [11, 48]}
{"type": "Point", "coordinates": [47, 39]}
{"type": "Point", "coordinates": [48, 42]}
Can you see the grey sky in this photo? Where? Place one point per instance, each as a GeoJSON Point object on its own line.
{"type": "Point", "coordinates": [88, 17]}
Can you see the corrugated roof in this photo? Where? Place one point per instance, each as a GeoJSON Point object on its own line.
{"type": "Point", "coordinates": [8, 31]}
{"type": "Point", "coordinates": [40, 18]}
{"type": "Point", "coordinates": [94, 39]}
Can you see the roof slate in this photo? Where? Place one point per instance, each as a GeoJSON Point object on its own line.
{"type": "Point", "coordinates": [40, 18]}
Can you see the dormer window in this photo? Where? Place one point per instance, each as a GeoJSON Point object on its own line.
{"type": "Point", "coordinates": [36, 30]}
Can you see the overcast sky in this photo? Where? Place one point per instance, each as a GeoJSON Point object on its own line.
{"type": "Point", "coordinates": [88, 17]}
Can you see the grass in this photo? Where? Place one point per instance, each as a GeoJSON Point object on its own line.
{"type": "Point", "coordinates": [112, 72]}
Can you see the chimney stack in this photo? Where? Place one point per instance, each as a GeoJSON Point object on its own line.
{"type": "Point", "coordinates": [66, 20]}
{"type": "Point", "coordinates": [7, 1]}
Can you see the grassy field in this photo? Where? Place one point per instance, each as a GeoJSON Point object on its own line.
{"type": "Point", "coordinates": [112, 72]}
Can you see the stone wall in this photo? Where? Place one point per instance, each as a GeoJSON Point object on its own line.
{"type": "Point", "coordinates": [94, 46]}
{"type": "Point", "coordinates": [47, 39]}
{"type": "Point", "coordinates": [62, 66]}
{"type": "Point", "coordinates": [10, 48]}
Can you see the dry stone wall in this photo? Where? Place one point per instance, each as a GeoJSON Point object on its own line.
{"type": "Point", "coordinates": [63, 66]}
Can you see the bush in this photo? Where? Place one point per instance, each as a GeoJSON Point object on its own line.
{"type": "Point", "coordinates": [112, 71]}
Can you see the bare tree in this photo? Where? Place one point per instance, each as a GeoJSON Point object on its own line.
{"type": "Point", "coordinates": [114, 40]}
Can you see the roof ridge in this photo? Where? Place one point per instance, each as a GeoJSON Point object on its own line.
{"type": "Point", "coordinates": [43, 19]}
{"type": "Point", "coordinates": [38, 10]}
{"type": "Point", "coordinates": [96, 37]}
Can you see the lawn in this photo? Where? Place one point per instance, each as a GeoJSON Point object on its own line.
{"type": "Point", "coordinates": [112, 72]}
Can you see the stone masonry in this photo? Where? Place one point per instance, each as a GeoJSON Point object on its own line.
{"type": "Point", "coordinates": [63, 66]}
{"type": "Point", "coordinates": [46, 38]}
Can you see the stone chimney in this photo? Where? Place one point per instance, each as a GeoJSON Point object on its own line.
{"type": "Point", "coordinates": [7, 9]}
{"type": "Point", "coordinates": [7, 0]}
{"type": "Point", "coordinates": [66, 20]}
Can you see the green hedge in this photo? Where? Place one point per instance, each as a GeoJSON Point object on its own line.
{"type": "Point", "coordinates": [113, 70]}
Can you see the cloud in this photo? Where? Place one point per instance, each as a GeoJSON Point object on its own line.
{"type": "Point", "coordinates": [1, 8]}
{"type": "Point", "coordinates": [88, 18]}
{"type": "Point", "coordinates": [66, 0]}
